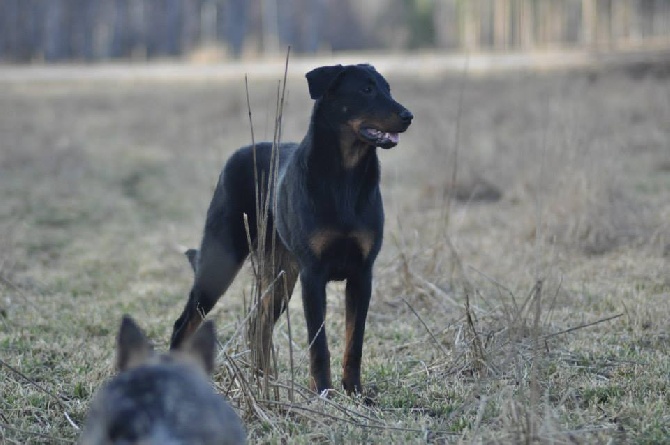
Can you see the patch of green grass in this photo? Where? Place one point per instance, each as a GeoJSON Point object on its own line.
{"type": "Point", "coordinates": [602, 394]}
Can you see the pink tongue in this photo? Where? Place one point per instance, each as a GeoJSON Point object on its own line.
{"type": "Point", "coordinates": [393, 137]}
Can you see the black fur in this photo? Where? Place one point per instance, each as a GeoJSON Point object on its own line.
{"type": "Point", "coordinates": [329, 217]}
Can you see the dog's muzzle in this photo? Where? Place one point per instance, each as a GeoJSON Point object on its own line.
{"type": "Point", "coordinates": [388, 139]}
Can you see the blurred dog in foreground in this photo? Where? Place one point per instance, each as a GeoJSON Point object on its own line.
{"type": "Point", "coordinates": [162, 399]}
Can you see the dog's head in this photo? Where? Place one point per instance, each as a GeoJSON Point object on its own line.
{"type": "Point", "coordinates": [161, 398]}
{"type": "Point", "coordinates": [360, 97]}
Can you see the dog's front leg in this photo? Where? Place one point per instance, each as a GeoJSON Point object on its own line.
{"type": "Point", "coordinates": [358, 291]}
{"type": "Point", "coordinates": [313, 285]}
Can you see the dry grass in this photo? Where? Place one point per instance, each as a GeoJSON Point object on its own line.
{"type": "Point", "coordinates": [468, 337]}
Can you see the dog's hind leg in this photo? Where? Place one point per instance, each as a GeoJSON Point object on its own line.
{"type": "Point", "coordinates": [215, 268]}
{"type": "Point", "coordinates": [224, 246]}
{"type": "Point", "coordinates": [276, 291]}
{"type": "Point", "coordinates": [225, 243]}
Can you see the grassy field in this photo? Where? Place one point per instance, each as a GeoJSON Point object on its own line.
{"type": "Point", "coordinates": [522, 294]}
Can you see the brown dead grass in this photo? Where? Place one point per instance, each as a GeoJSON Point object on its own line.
{"type": "Point", "coordinates": [102, 184]}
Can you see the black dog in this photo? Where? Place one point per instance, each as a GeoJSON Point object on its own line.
{"type": "Point", "coordinates": [329, 216]}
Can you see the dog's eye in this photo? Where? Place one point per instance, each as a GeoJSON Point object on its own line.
{"type": "Point", "coordinates": [366, 89]}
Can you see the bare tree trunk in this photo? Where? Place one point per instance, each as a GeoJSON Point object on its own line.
{"type": "Point", "coordinates": [234, 17]}
{"type": "Point", "coordinates": [446, 24]}
{"type": "Point", "coordinates": [120, 29]}
{"type": "Point", "coordinates": [269, 27]}
{"type": "Point", "coordinates": [190, 30]}
{"type": "Point", "coordinates": [501, 21]}
{"type": "Point", "coordinates": [286, 19]}
{"type": "Point", "coordinates": [556, 23]}
{"type": "Point", "coordinates": [172, 31]}
{"type": "Point", "coordinates": [659, 18]}
{"type": "Point", "coordinates": [53, 49]}
{"type": "Point", "coordinates": [526, 22]}
{"type": "Point", "coordinates": [542, 22]}
{"type": "Point", "coordinates": [619, 25]}
{"type": "Point", "coordinates": [470, 24]}
{"type": "Point", "coordinates": [315, 18]}
{"type": "Point", "coordinates": [589, 23]}
{"type": "Point", "coordinates": [82, 14]}
{"type": "Point", "coordinates": [209, 17]}
{"type": "Point", "coordinates": [606, 15]}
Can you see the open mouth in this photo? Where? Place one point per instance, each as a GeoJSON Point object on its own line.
{"type": "Point", "coordinates": [379, 138]}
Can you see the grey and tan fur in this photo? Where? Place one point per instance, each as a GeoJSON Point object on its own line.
{"type": "Point", "coordinates": [162, 398]}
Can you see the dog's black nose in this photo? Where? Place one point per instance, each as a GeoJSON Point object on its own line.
{"type": "Point", "coordinates": [406, 115]}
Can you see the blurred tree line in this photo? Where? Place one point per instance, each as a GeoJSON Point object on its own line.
{"type": "Point", "coordinates": [58, 30]}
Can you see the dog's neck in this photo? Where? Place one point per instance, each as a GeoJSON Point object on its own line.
{"type": "Point", "coordinates": [334, 147]}
{"type": "Point", "coordinates": [332, 156]}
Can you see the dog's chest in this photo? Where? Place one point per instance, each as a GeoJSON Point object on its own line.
{"type": "Point", "coordinates": [334, 220]}
{"type": "Point", "coordinates": [342, 252]}
{"type": "Point", "coordinates": [355, 242]}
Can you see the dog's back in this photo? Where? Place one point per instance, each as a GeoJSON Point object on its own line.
{"type": "Point", "coordinates": [162, 399]}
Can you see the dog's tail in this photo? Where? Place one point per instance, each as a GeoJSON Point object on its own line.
{"type": "Point", "coordinates": [192, 255]}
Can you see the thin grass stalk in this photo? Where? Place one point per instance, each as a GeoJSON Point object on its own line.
{"type": "Point", "coordinates": [287, 297]}
{"type": "Point", "coordinates": [531, 419]}
{"type": "Point", "coordinates": [448, 196]}
{"type": "Point", "coordinates": [253, 146]}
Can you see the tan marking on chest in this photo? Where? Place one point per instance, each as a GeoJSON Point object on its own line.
{"type": "Point", "coordinates": [365, 239]}
{"type": "Point", "coordinates": [320, 240]}
{"type": "Point", "coordinates": [351, 152]}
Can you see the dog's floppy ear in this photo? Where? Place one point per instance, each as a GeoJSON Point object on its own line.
{"type": "Point", "coordinates": [201, 346]}
{"type": "Point", "coordinates": [320, 79]}
{"type": "Point", "coordinates": [132, 346]}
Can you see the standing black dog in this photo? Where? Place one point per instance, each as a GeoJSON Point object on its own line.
{"type": "Point", "coordinates": [329, 217]}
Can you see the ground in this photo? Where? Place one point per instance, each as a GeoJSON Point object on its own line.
{"type": "Point", "coordinates": [522, 293]}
